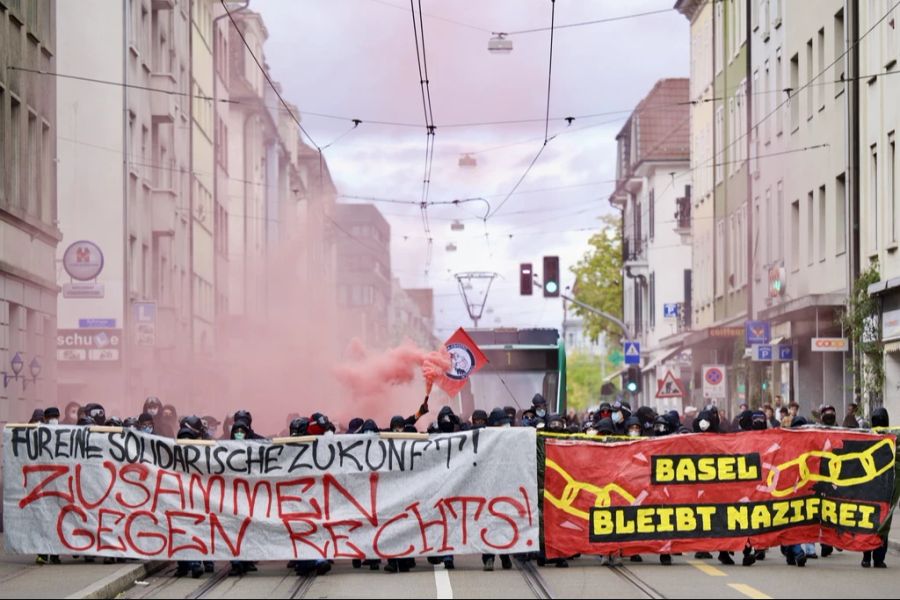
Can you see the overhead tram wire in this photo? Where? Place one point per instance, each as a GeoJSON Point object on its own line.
{"type": "Point", "coordinates": [546, 118]}
{"type": "Point", "coordinates": [269, 79]}
{"type": "Point", "coordinates": [425, 89]}
{"type": "Point", "coordinates": [793, 94]}
{"type": "Point", "coordinates": [591, 22]}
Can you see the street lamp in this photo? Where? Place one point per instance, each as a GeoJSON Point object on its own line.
{"type": "Point", "coordinates": [467, 160]}
{"type": "Point", "coordinates": [500, 44]}
{"type": "Point", "coordinates": [16, 364]}
{"type": "Point", "coordinates": [35, 368]}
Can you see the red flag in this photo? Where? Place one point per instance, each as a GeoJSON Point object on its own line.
{"type": "Point", "coordinates": [466, 359]}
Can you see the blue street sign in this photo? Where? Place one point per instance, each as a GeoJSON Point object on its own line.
{"type": "Point", "coordinates": [670, 310]}
{"type": "Point", "coordinates": [785, 353]}
{"type": "Point", "coordinates": [757, 332]}
{"type": "Point", "coordinates": [145, 312]}
{"type": "Point", "coordinates": [632, 353]}
{"type": "Point", "coordinates": [97, 323]}
{"type": "Point", "coordinates": [762, 352]}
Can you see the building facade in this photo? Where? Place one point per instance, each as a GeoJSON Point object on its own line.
{"type": "Point", "coordinates": [879, 123]}
{"type": "Point", "coordinates": [29, 231]}
{"type": "Point", "coordinates": [412, 316]}
{"type": "Point", "coordinates": [127, 188]}
{"type": "Point", "coordinates": [364, 274]}
{"type": "Point", "coordinates": [654, 159]}
{"type": "Point", "coordinates": [799, 165]}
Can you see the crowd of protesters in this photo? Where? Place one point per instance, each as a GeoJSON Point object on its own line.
{"type": "Point", "coordinates": [609, 418]}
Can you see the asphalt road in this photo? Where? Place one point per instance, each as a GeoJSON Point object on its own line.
{"type": "Point", "coordinates": [839, 575]}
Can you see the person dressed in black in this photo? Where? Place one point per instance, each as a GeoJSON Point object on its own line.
{"type": "Point", "coordinates": [189, 431]}
{"type": "Point", "coordinates": [880, 418]}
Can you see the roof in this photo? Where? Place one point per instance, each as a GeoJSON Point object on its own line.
{"type": "Point", "coordinates": [660, 127]}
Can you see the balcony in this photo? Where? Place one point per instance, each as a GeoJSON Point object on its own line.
{"type": "Point", "coordinates": [683, 215]}
{"type": "Point", "coordinates": [165, 211]}
{"type": "Point", "coordinates": [163, 106]}
{"type": "Point", "coordinates": [633, 256]}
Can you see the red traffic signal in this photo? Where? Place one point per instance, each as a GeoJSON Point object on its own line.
{"type": "Point", "coordinates": [526, 283]}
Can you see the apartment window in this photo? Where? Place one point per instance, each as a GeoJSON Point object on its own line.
{"type": "Point", "coordinates": [822, 236]}
{"type": "Point", "coordinates": [756, 251]}
{"type": "Point", "coordinates": [795, 86]}
{"type": "Point", "coordinates": [810, 229]}
{"type": "Point", "coordinates": [779, 91]}
{"type": "Point", "coordinates": [730, 147]}
{"type": "Point", "coordinates": [637, 227]}
{"type": "Point", "coordinates": [743, 243]}
{"type": "Point", "coordinates": [840, 53]}
{"type": "Point", "coordinates": [652, 207]}
{"type": "Point", "coordinates": [15, 166]}
{"type": "Point", "coordinates": [820, 50]}
{"type": "Point", "coordinates": [776, 14]}
{"type": "Point", "coordinates": [720, 257]}
{"type": "Point", "coordinates": [48, 208]}
{"type": "Point", "coordinates": [719, 28]}
{"type": "Point", "coordinates": [891, 189]}
{"type": "Point", "coordinates": [3, 167]}
{"type": "Point", "coordinates": [134, 265]}
{"type": "Point", "coordinates": [33, 205]}
{"type": "Point", "coordinates": [765, 100]}
{"type": "Point", "coordinates": [795, 235]}
{"type": "Point", "coordinates": [145, 271]}
{"type": "Point", "coordinates": [766, 18]}
{"type": "Point", "coordinates": [889, 26]}
{"type": "Point", "coordinates": [652, 300]}
{"type": "Point", "coordinates": [810, 92]}
{"type": "Point", "coordinates": [840, 227]}
{"type": "Point", "coordinates": [731, 250]}
{"type": "Point", "coordinates": [720, 137]}
{"type": "Point", "coordinates": [767, 224]}
{"type": "Point", "coordinates": [873, 198]}
{"type": "Point", "coordinates": [779, 220]}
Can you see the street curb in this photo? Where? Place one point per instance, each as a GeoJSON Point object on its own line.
{"type": "Point", "coordinates": [894, 545]}
{"type": "Point", "coordinates": [111, 585]}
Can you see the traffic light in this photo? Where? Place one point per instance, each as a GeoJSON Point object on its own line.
{"type": "Point", "coordinates": [526, 284]}
{"type": "Point", "coordinates": [633, 379]}
{"type": "Point", "coordinates": [551, 276]}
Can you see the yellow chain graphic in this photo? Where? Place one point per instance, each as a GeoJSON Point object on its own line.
{"type": "Point", "coordinates": [603, 495]}
{"type": "Point", "coordinates": [866, 459]}
{"type": "Point", "coordinates": [573, 488]}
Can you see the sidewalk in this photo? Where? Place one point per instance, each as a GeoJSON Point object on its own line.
{"type": "Point", "coordinates": [20, 577]}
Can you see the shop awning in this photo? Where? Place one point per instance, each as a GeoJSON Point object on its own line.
{"type": "Point", "coordinates": [891, 347]}
{"type": "Point", "coordinates": [666, 355]}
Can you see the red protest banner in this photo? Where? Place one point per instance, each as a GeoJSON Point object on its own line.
{"type": "Point", "coordinates": [697, 492]}
{"type": "Point", "coordinates": [466, 359]}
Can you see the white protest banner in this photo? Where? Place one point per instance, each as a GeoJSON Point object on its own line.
{"type": "Point", "coordinates": [70, 490]}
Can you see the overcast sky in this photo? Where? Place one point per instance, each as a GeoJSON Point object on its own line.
{"type": "Point", "coordinates": [357, 59]}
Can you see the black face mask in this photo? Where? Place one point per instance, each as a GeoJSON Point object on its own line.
{"type": "Point", "coordinates": [829, 418]}
{"type": "Point", "coordinates": [446, 425]}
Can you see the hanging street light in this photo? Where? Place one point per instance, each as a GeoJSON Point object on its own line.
{"type": "Point", "coordinates": [500, 44]}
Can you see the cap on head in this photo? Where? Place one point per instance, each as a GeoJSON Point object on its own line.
{"type": "Point", "coordinates": [498, 418]}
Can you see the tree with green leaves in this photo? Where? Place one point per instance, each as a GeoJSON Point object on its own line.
{"type": "Point", "coordinates": [861, 318]}
{"type": "Point", "coordinates": [584, 378]}
{"type": "Point", "coordinates": [598, 281]}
